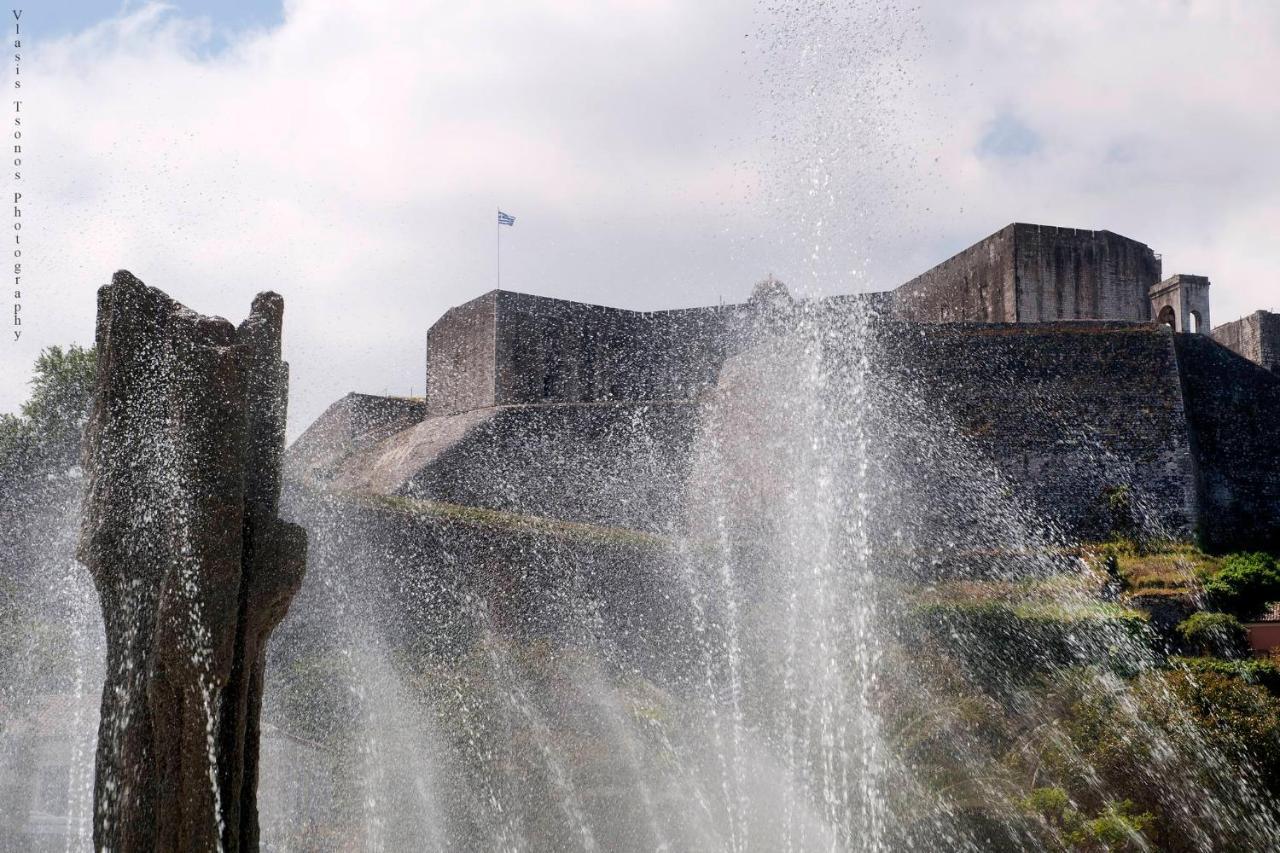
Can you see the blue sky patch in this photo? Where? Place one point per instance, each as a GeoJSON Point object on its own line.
{"type": "Point", "coordinates": [52, 20]}
{"type": "Point", "coordinates": [1007, 136]}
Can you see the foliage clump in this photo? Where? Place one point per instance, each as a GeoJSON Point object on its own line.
{"type": "Point", "coordinates": [1241, 720]}
{"type": "Point", "coordinates": [1121, 514]}
{"type": "Point", "coordinates": [46, 436]}
{"type": "Point", "coordinates": [1215, 634]}
{"type": "Point", "coordinates": [1244, 584]}
{"type": "Point", "coordinates": [1260, 671]}
{"type": "Point", "coordinates": [1117, 826]}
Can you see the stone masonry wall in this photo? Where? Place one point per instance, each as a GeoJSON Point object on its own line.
{"type": "Point", "coordinates": [1070, 274]}
{"type": "Point", "coordinates": [460, 357]}
{"type": "Point", "coordinates": [617, 464]}
{"type": "Point", "coordinates": [1068, 412]}
{"type": "Point", "coordinates": [553, 351]}
{"type": "Point", "coordinates": [508, 348]}
{"type": "Point", "coordinates": [348, 426]}
{"type": "Point", "coordinates": [1256, 337]}
{"type": "Point", "coordinates": [977, 284]}
{"type": "Point", "coordinates": [1035, 273]}
{"type": "Point", "coordinates": [983, 438]}
{"type": "Point", "coordinates": [1233, 408]}
{"type": "Point", "coordinates": [440, 580]}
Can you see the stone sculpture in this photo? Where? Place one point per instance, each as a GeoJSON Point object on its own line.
{"type": "Point", "coordinates": [192, 564]}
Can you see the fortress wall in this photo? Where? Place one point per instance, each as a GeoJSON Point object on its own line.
{"type": "Point", "coordinates": [1256, 337]}
{"type": "Point", "coordinates": [616, 464]}
{"type": "Point", "coordinates": [621, 465]}
{"type": "Point", "coordinates": [1066, 411]}
{"type": "Point", "coordinates": [437, 583]}
{"type": "Point", "coordinates": [553, 351]}
{"type": "Point", "coordinates": [977, 285]}
{"type": "Point", "coordinates": [1035, 273]}
{"type": "Point", "coordinates": [349, 425]}
{"type": "Point", "coordinates": [1233, 407]}
{"type": "Point", "coordinates": [460, 357]}
{"type": "Point", "coordinates": [1070, 273]}
{"type": "Point", "coordinates": [980, 436]}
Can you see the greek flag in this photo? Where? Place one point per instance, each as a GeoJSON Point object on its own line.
{"type": "Point", "coordinates": [506, 218]}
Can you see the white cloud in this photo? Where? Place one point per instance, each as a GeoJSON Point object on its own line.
{"type": "Point", "coordinates": [655, 154]}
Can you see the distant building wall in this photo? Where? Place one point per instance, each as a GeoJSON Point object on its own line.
{"type": "Point", "coordinates": [1075, 274]}
{"type": "Point", "coordinates": [1256, 337]}
{"type": "Point", "coordinates": [508, 348]}
{"type": "Point", "coordinates": [352, 423]}
{"type": "Point", "coordinates": [1263, 638]}
{"type": "Point", "coordinates": [1069, 413]}
{"type": "Point", "coordinates": [554, 351]}
{"type": "Point", "coordinates": [619, 465]}
{"type": "Point", "coordinates": [1036, 273]}
{"type": "Point", "coordinates": [460, 357]}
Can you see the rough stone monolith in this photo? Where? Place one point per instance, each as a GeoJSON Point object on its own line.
{"type": "Point", "coordinates": [192, 564]}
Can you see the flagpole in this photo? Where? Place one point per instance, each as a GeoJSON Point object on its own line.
{"type": "Point", "coordinates": [498, 248]}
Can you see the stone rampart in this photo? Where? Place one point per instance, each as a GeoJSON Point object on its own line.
{"type": "Point", "coordinates": [978, 284]}
{"type": "Point", "coordinates": [1233, 409]}
{"type": "Point", "coordinates": [509, 348]}
{"type": "Point", "coordinates": [438, 579]}
{"type": "Point", "coordinates": [1088, 425]}
{"type": "Point", "coordinates": [553, 351]}
{"type": "Point", "coordinates": [1077, 417]}
{"type": "Point", "coordinates": [616, 464]}
{"type": "Point", "coordinates": [989, 438]}
{"type": "Point", "coordinates": [1256, 337]}
{"type": "Point", "coordinates": [351, 424]}
{"type": "Point", "coordinates": [1035, 273]}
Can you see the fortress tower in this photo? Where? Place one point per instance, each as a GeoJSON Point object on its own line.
{"type": "Point", "coordinates": [1035, 274]}
{"type": "Point", "coordinates": [1040, 273]}
{"type": "Point", "coordinates": [1182, 303]}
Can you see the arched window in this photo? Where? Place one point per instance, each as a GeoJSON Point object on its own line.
{"type": "Point", "coordinates": [1167, 317]}
{"type": "Point", "coordinates": [1194, 325]}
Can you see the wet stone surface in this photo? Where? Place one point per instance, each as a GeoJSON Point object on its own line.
{"type": "Point", "coordinates": [192, 564]}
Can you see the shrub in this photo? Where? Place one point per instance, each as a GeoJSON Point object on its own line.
{"type": "Point", "coordinates": [1238, 718]}
{"type": "Point", "coordinates": [1264, 673]}
{"type": "Point", "coordinates": [1119, 826]}
{"type": "Point", "coordinates": [1215, 634]}
{"type": "Point", "coordinates": [1166, 728]}
{"type": "Point", "coordinates": [1053, 806]}
{"type": "Point", "coordinates": [1244, 584]}
{"type": "Point", "coordinates": [1121, 514]}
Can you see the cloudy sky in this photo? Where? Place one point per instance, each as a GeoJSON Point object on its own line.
{"type": "Point", "coordinates": [656, 153]}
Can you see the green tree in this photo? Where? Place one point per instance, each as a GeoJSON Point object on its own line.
{"type": "Point", "coordinates": [47, 435]}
